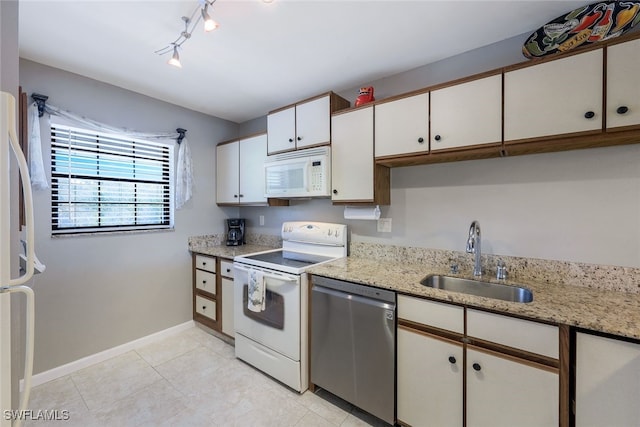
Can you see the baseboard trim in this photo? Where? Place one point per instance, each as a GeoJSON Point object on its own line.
{"type": "Point", "coordinates": [76, 365]}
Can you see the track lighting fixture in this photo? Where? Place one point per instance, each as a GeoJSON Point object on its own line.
{"type": "Point", "coordinates": [190, 22]}
{"type": "Point", "coordinates": [189, 25]}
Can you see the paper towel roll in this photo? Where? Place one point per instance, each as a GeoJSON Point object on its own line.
{"type": "Point", "coordinates": [357, 212]}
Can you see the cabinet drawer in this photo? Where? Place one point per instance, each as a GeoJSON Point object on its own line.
{"type": "Point", "coordinates": [517, 333]}
{"type": "Point", "coordinates": [206, 307]}
{"type": "Point", "coordinates": [431, 313]}
{"type": "Point", "coordinates": [226, 268]}
{"type": "Point", "coordinates": [206, 281]}
{"type": "Point", "coordinates": [206, 263]}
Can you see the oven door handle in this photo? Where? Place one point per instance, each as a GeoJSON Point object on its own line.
{"type": "Point", "coordinates": [276, 276]}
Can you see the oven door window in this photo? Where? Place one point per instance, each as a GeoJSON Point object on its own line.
{"type": "Point", "coordinates": [273, 314]}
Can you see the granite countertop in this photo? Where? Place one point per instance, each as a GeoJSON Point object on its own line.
{"type": "Point", "coordinates": [607, 311]}
{"type": "Point", "coordinates": [224, 251]}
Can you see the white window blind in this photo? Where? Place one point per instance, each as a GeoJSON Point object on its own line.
{"type": "Point", "coordinates": [105, 182]}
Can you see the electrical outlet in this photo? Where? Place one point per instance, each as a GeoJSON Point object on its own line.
{"type": "Point", "coordinates": [261, 219]}
{"type": "Point", "coordinates": [384, 225]}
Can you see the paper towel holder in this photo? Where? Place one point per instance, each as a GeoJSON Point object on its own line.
{"type": "Point", "coordinates": [362, 213]}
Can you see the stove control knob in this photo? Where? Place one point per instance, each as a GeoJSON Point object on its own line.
{"type": "Point", "coordinates": [337, 233]}
{"type": "Point", "coordinates": [329, 232]}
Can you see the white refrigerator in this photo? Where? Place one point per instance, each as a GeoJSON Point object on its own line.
{"type": "Point", "coordinates": [9, 415]}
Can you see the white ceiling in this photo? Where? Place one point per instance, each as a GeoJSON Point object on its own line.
{"type": "Point", "coordinates": [264, 55]}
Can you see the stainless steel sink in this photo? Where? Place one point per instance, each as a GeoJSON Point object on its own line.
{"type": "Point", "coordinates": [478, 288]}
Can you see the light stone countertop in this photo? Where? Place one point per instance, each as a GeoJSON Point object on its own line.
{"type": "Point", "coordinates": [607, 311]}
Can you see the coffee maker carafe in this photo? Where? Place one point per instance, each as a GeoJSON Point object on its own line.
{"type": "Point", "coordinates": [235, 231]}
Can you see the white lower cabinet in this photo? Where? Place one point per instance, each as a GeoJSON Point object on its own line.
{"type": "Point", "coordinates": [508, 392]}
{"type": "Point", "coordinates": [607, 382]}
{"type": "Point", "coordinates": [441, 362]}
{"type": "Point", "coordinates": [430, 380]}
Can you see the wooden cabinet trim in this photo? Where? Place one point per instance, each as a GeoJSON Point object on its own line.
{"type": "Point", "coordinates": [514, 358]}
{"type": "Point", "coordinates": [230, 141]}
{"type": "Point", "coordinates": [514, 352]}
{"type": "Point", "coordinates": [432, 332]}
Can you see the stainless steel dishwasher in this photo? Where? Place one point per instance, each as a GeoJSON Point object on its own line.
{"type": "Point", "coordinates": [353, 344]}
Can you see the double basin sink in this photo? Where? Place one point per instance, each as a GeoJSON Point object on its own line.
{"type": "Point", "coordinates": [479, 288]}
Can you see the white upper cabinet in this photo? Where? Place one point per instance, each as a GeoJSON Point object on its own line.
{"type": "Point", "coordinates": [467, 114]}
{"type": "Point", "coordinates": [557, 97]}
{"type": "Point", "coordinates": [623, 90]}
{"type": "Point", "coordinates": [352, 164]}
{"type": "Point", "coordinates": [313, 122]}
{"type": "Point", "coordinates": [402, 126]}
{"type": "Point", "coordinates": [227, 173]}
{"type": "Point", "coordinates": [240, 171]}
{"type": "Point", "coordinates": [281, 129]}
{"type": "Point", "coordinates": [253, 153]}
{"type": "Point", "coordinates": [306, 124]}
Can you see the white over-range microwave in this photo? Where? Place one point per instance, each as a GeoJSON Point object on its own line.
{"type": "Point", "coordinates": [301, 173]}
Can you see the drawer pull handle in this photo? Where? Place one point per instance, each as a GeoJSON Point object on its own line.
{"type": "Point", "coordinates": [477, 367]}
{"type": "Point", "coordinates": [452, 360]}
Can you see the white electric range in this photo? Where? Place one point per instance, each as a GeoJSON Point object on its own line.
{"type": "Point", "coordinates": [275, 340]}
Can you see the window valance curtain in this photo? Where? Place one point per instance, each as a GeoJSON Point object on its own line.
{"type": "Point", "coordinates": [184, 171]}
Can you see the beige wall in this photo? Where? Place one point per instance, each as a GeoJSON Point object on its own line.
{"type": "Point", "coordinates": [102, 291]}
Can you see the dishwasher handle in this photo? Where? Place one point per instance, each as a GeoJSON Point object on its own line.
{"type": "Point", "coordinates": [355, 298]}
{"type": "Point", "coordinates": [355, 289]}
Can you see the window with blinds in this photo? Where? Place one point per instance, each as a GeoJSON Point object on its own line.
{"type": "Point", "coordinates": [103, 182]}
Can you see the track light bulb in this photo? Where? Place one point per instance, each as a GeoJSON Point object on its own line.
{"type": "Point", "coordinates": [209, 23]}
{"type": "Point", "coordinates": [175, 58]}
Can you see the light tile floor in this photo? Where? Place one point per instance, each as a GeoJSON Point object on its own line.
{"type": "Point", "coordinates": [189, 379]}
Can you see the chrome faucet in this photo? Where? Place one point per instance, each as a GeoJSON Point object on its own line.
{"type": "Point", "coordinates": [473, 246]}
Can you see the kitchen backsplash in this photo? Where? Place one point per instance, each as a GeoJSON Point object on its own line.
{"type": "Point", "coordinates": [219, 239]}
{"type": "Point", "coordinates": [604, 277]}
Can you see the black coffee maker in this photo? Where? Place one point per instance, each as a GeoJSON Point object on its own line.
{"type": "Point", "coordinates": [235, 231]}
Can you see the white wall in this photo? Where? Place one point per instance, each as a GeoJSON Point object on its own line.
{"type": "Point", "coordinates": [103, 291]}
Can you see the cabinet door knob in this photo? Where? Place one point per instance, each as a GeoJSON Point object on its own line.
{"type": "Point", "coordinates": [235, 196]}
{"type": "Point", "coordinates": [452, 360]}
{"type": "Point", "coordinates": [335, 191]}
{"type": "Point", "coordinates": [299, 138]}
{"type": "Point", "coordinates": [437, 137]}
{"type": "Point", "coordinates": [622, 109]}
{"type": "Point", "coordinates": [421, 140]}
{"type": "Point", "coordinates": [228, 270]}
{"type": "Point", "coordinates": [242, 195]}
{"type": "Point", "coordinates": [589, 115]}
{"type": "Point", "coordinates": [204, 281]}
{"type": "Point", "coordinates": [204, 307]}
{"type": "Point", "coordinates": [204, 263]}
{"type": "Point", "coordinates": [290, 139]}
{"type": "Point", "coordinates": [476, 367]}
